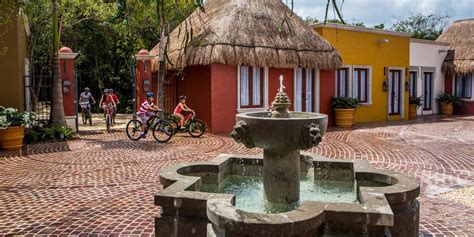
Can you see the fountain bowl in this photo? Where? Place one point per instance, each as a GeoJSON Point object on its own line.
{"type": "Point", "coordinates": [257, 129]}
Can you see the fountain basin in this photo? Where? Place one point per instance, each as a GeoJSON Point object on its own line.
{"type": "Point", "coordinates": [266, 132]}
{"type": "Point", "coordinates": [386, 202]}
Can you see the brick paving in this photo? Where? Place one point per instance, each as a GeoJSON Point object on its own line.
{"type": "Point", "coordinates": [103, 184]}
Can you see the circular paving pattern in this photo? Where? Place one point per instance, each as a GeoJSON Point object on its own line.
{"type": "Point", "coordinates": [103, 184]}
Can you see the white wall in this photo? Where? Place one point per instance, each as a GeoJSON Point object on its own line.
{"type": "Point", "coordinates": [428, 56]}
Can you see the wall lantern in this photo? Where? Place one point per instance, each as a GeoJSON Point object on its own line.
{"type": "Point", "coordinates": [66, 87]}
{"type": "Point", "coordinates": [147, 85]}
{"type": "Point", "coordinates": [383, 41]}
{"type": "Point", "coordinates": [385, 85]}
{"type": "Point", "coordinates": [407, 85]}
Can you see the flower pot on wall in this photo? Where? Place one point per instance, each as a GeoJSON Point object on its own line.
{"type": "Point", "coordinates": [344, 117]}
{"type": "Point", "coordinates": [446, 108]}
{"type": "Point", "coordinates": [412, 111]}
{"type": "Point", "coordinates": [12, 138]}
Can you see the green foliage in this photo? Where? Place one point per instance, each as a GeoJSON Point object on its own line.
{"type": "Point", "coordinates": [380, 26]}
{"type": "Point", "coordinates": [418, 101]}
{"type": "Point", "coordinates": [344, 102]}
{"type": "Point", "coordinates": [10, 117]}
{"type": "Point", "coordinates": [453, 99]}
{"type": "Point", "coordinates": [311, 20]}
{"type": "Point", "coordinates": [422, 26]}
{"type": "Point", "coordinates": [53, 132]}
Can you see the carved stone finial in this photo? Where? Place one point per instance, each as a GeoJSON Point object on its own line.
{"type": "Point", "coordinates": [281, 103]}
{"type": "Point", "coordinates": [282, 87]}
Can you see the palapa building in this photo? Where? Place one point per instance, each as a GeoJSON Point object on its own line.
{"type": "Point", "coordinates": [459, 63]}
{"type": "Point", "coordinates": [238, 50]}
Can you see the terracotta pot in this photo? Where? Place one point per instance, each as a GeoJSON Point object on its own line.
{"type": "Point", "coordinates": [446, 108]}
{"type": "Point", "coordinates": [411, 111]}
{"type": "Point", "coordinates": [344, 117]}
{"type": "Point", "coordinates": [12, 138]}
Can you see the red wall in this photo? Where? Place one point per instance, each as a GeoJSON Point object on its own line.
{"type": "Point", "coordinates": [327, 90]}
{"type": "Point", "coordinates": [467, 107]}
{"type": "Point", "coordinates": [224, 97]}
{"type": "Point", "coordinates": [196, 85]}
{"type": "Point", "coordinates": [142, 75]}
{"type": "Point", "coordinates": [274, 83]}
{"type": "Point", "coordinates": [67, 74]}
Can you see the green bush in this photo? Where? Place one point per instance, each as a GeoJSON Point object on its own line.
{"type": "Point", "coordinates": [418, 101]}
{"type": "Point", "coordinates": [454, 99]}
{"type": "Point", "coordinates": [344, 102]}
{"type": "Point", "coordinates": [49, 132]}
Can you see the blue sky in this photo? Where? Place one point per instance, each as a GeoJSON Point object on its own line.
{"type": "Point", "coordinates": [373, 12]}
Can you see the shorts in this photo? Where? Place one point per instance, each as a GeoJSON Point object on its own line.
{"type": "Point", "coordinates": [145, 116]}
{"type": "Point", "coordinates": [85, 105]}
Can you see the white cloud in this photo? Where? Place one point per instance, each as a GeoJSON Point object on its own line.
{"type": "Point", "coordinates": [373, 12]}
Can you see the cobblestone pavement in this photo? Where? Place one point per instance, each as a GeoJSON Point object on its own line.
{"type": "Point", "coordinates": [104, 183]}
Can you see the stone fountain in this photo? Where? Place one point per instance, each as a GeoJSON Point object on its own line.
{"type": "Point", "coordinates": [286, 192]}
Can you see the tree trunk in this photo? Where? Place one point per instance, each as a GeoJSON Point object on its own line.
{"type": "Point", "coordinates": [57, 110]}
{"type": "Point", "coordinates": [161, 71]}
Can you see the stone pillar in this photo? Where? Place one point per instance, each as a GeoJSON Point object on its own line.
{"type": "Point", "coordinates": [68, 81]}
{"type": "Point", "coordinates": [281, 175]}
{"type": "Point", "coordinates": [144, 81]}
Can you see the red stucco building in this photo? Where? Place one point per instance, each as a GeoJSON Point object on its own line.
{"type": "Point", "coordinates": [237, 53]}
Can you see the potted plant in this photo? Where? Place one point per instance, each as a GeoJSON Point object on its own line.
{"type": "Point", "coordinates": [344, 109]}
{"type": "Point", "coordinates": [12, 127]}
{"type": "Point", "coordinates": [447, 103]}
{"type": "Point", "coordinates": [413, 104]}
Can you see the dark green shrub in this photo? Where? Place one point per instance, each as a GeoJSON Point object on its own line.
{"type": "Point", "coordinates": [344, 102]}
{"type": "Point", "coordinates": [454, 99]}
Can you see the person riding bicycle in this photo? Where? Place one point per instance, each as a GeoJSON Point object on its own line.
{"type": "Point", "coordinates": [106, 101]}
{"type": "Point", "coordinates": [84, 99]}
{"type": "Point", "coordinates": [116, 100]}
{"type": "Point", "coordinates": [182, 107]}
{"type": "Point", "coordinates": [146, 111]}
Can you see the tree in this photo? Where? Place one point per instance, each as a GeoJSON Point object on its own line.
{"type": "Point", "coordinates": [422, 26]}
{"type": "Point", "coordinates": [380, 26]}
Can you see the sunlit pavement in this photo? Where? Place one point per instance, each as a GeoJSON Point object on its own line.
{"type": "Point", "coordinates": [104, 183]}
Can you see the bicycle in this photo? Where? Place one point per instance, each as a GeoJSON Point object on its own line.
{"type": "Point", "coordinates": [195, 127]}
{"type": "Point", "coordinates": [86, 112]}
{"type": "Point", "coordinates": [162, 129]}
{"type": "Point", "coordinates": [109, 117]}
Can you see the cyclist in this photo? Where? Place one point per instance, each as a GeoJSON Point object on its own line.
{"type": "Point", "coordinates": [182, 107]}
{"type": "Point", "coordinates": [106, 101]}
{"type": "Point", "coordinates": [147, 109]}
{"type": "Point", "coordinates": [116, 100]}
{"type": "Point", "coordinates": [84, 99]}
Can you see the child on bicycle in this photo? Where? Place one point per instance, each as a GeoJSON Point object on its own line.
{"type": "Point", "coordinates": [147, 109]}
{"type": "Point", "coordinates": [107, 101]}
{"type": "Point", "coordinates": [180, 107]}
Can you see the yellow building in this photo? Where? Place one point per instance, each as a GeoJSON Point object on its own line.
{"type": "Point", "coordinates": [376, 63]}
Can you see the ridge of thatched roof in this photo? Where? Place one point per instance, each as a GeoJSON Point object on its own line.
{"type": "Point", "coordinates": [246, 32]}
{"type": "Point", "coordinates": [460, 57]}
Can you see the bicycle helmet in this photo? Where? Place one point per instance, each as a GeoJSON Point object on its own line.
{"type": "Point", "coordinates": [183, 97]}
{"type": "Point", "coordinates": [111, 90]}
{"type": "Point", "coordinates": [150, 94]}
{"type": "Point", "coordinates": [106, 91]}
{"type": "Point", "coordinates": [87, 89]}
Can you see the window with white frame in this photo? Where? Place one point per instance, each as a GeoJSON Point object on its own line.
{"type": "Point", "coordinates": [251, 87]}
{"type": "Point", "coordinates": [413, 83]}
{"type": "Point", "coordinates": [342, 82]}
{"type": "Point", "coordinates": [304, 90]}
{"type": "Point", "coordinates": [463, 86]}
{"type": "Point", "coordinates": [360, 85]}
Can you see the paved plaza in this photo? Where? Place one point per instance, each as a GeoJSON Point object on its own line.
{"type": "Point", "coordinates": [103, 184]}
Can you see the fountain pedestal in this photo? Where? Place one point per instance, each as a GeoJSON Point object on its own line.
{"type": "Point", "coordinates": [281, 175]}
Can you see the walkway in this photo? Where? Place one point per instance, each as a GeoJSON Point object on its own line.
{"type": "Point", "coordinates": [104, 183]}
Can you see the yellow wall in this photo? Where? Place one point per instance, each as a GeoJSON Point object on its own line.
{"type": "Point", "coordinates": [362, 48]}
{"type": "Point", "coordinates": [12, 64]}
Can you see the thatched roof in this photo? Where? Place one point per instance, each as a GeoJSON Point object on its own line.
{"type": "Point", "coordinates": [460, 58]}
{"type": "Point", "coordinates": [247, 32]}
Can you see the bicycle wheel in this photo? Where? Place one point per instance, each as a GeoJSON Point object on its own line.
{"type": "Point", "coordinates": [196, 128]}
{"type": "Point", "coordinates": [107, 122]}
{"type": "Point", "coordinates": [84, 117]}
{"type": "Point", "coordinates": [162, 131]}
{"type": "Point", "coordinates": [134, 129]}
{"type": "Point", "coordinates": [89, 114]}
{"type": "Point", "coordinates": [174, 124]}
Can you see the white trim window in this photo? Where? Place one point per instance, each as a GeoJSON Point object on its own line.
{"type": "Point", "coordinates": [251, 87]}
{"type": "Point", "coordinates": [342, 82]}
{"type": "Point", "coordinates": [413, 83]}
{"type": "Point", "coordinates": [304, 90]}
{"type": "Point", "coordinates": [360, 84]}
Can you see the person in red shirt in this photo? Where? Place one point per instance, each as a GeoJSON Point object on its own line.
{"type": "Point", "coordinates": [116, 100]}
{"type": "Point", "coordinates": [182, 107]}
{"type": "Point", "coordinates": [106, 101]}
